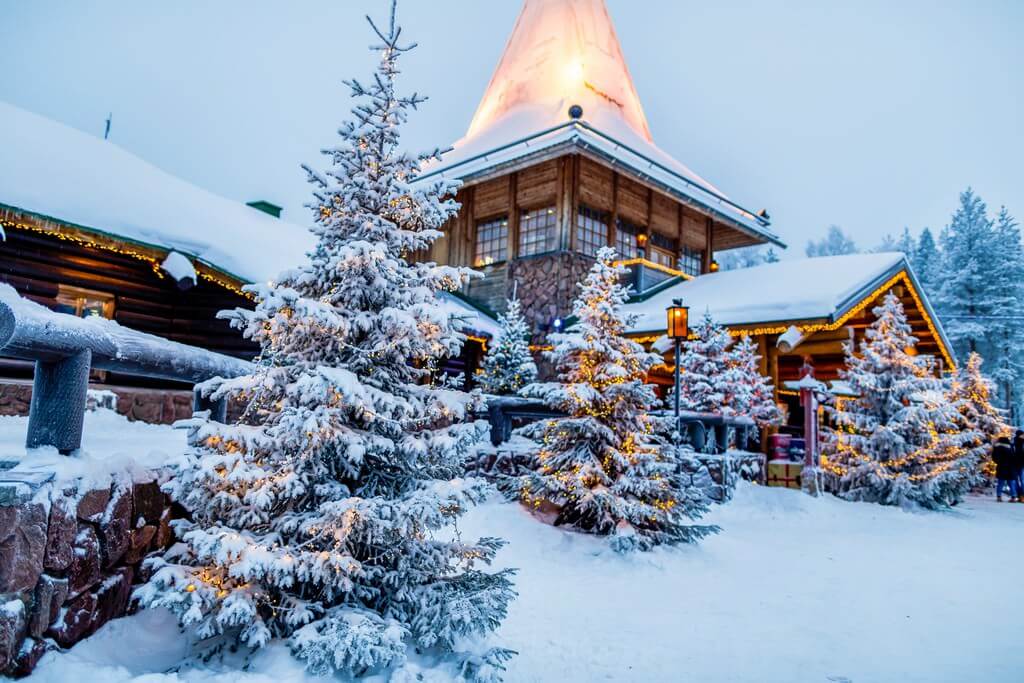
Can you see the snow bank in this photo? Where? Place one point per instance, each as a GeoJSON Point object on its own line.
{"type": "Point", "coordinates": [793, 589]}
{"type": "Point", "coordinates": [786, 290]}
{"type": "Point", "coordinates": [110, 445]}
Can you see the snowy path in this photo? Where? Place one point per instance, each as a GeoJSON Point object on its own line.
{"type": "Point", "coordinates": [794, 589]}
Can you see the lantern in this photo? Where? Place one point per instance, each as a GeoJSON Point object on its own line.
{"type": "Point", "coordinates": [678, 320]}
{"type": "Point", "coordinates": [714, 266]}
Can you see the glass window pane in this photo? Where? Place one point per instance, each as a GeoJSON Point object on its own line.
{"type": "Point", "coordinates": [591, 230]}
{"type": "Point", "coordinates": [491, 242]}
{"type": "Point", "coordinates": [537, 231]}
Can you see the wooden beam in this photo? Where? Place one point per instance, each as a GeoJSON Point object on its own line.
{"type": "Point", "coordinates": [823, 348]}
{"type": "Point", "coordinates": [513, 218]}
{"type": "Point", "coordinates": [614, 227]}
{"type": "Point", "coordinates": [709, 245]}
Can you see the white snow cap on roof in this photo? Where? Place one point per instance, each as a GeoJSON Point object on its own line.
{"type": "Point", "coordinates": [56, 171]}
{"type": "Point", "coordinates": [775, 292]}
{"type": "Point", "coordinates": [59, 172]}
{"type": "Point", "coordinates": [561, 53]}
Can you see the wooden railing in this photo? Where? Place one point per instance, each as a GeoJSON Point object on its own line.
{"type": "Point", "coordinates": [706, 432]}
{"type": "Point", "coordinates": [65, 347]}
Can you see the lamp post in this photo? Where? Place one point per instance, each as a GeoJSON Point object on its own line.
{"type": "Point", "coordinates": [678, 329]}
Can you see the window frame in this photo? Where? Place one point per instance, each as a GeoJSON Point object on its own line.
{"type": "Point", "coordinates": [530, 223]}
{"type": "Point", "coordinates": [78, 298]}
{"type": "Point", "coordinates": [633, 232]}
{"type": "Point", "coordinates": [586, 218]}
{"type": "Point", "coordinates": [501, 225]}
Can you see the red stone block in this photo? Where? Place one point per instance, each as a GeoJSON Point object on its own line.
{"type": "Point", "coordinates": [21, 552]}
{"type": "Point", "coordinates": [84, 570]}
{"type": "Point", "coordinates": [60, 535]}
{"type": "Point", "coordinates": [74, 621]}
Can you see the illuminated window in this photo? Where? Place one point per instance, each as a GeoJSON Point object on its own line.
{"type": "Point", "coordinates": [537, 231]}
{"type": "Point", "coordinates": [691, 260]}
{"type": "Point", "coordinates": [626, 239]}
{"type": "Point", "coordinates": [663, 250]}
{"type": "Point", "coordinates": [84, 303]}
{"type": "Point", "coordinates": [491, 242]}
{"type": "Point", "coordinates": [591, 230]}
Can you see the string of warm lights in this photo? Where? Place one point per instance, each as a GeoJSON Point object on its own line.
{"type": "Point", "coordinates": [862, 305]}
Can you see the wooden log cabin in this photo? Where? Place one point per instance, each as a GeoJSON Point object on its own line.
{"type": "Point", "coordinates": [558, 161]}
{"type": "Point", "coordinates": [93, 230]}
{"type": "Point", "coordinates": [799, 311]}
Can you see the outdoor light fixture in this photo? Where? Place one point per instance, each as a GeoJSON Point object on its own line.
{"type": "Point", "coordinates": [714, 266]}
{"type": "Point", "coordinates": [678, 320]}
{"type": "Point", "coordinates": [677, 329]}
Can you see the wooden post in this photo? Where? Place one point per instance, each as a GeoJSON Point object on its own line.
{"type": "Point", "coordinates": [513, 219]}
{"type": "Point", "coordinates": [614, 227]}
{"type": "Point", "coordinates": [709, 245]}
{"type": "Point", "coordinates": [56, 412]}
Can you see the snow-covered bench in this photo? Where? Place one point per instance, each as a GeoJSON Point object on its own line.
{"type": "Point", "coordinates": [65, 347]}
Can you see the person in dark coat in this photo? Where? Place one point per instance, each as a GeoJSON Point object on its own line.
{"type": "Point", "coordinates": [1018, 453]}
{"type": "Point", "coordinates": [1006, 470]}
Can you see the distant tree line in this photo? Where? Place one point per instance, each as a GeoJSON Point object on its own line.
{"type": "Point", "coordinates": [973, 274]}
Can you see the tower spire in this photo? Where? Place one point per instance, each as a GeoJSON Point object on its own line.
{"type": "Point", "coordinates": [562, 53]}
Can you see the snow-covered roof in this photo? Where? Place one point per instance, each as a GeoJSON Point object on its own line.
{"type": "Point", "coordinates": [563, 53]}
{"type": "Point", "coordinates": [55, 171]}
{"type": "Point", "coordinates": [804, 289]}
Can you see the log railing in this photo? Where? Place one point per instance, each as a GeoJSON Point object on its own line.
{"type": "Point", "coordinates": [65, 347]}
{"type": "Point", "coordinates": [706, 432]}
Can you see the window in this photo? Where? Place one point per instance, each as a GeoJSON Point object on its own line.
{"type": "Point", "coordinates": [84, 303]}
{"type": "Point", "coordinates": [491, 242]}
{"type": "Point", "coordinates": [691, 260]}
{"type": "Point", "coordinates": [663, 250]}
{"type": "Point", "coordinates": [537, 233]}
{"type": "Point", "coordinates": [591, 230]}
{"type": "Point", "coordinates": [625, 239]}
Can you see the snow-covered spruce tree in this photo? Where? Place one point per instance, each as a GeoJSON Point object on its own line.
{"type": "Point", "coordinates": [325, 522]}
{"type": "Point", "coordinates": [927, 261]}
{"type": "Point", "coordinates": [709, 376]}
{"type": "Point", "coordinates": [754, 395]}
{"type": "Point", "coordinates": [508, 365]}
{"type": "Point", "coordinates": [834, 243]}
{"type": "Point", "coordinates": [970, 391]}
{"type": "Point", "coordinates": [1005, 333]}
{"type": "Point", "coordinates": [601, 466]}
{"type": "Point", "coordinates": [899, 441]}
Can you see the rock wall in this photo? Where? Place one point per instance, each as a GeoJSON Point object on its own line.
{"type": "Point", "coordinates": [159, 406]}
{"type": "Point", "coordinates": [69, 556]}
{"type": "Point", "coordinates": [547, 287]}
{"type": "Point", "coordinates": [717, 475]}
{"type": "Point", "coordinates": [156, 406]}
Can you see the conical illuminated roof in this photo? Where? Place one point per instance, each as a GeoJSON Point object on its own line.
{"type": "Point", "coordinates": [562, 53]}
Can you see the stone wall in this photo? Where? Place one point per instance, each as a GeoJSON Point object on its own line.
{"type": "Point", "coordinates": [159, 406]}
{"type": "Point", "coordinates": [717, 475]}
{"type": "Point", "coordinates": [70, 554]}
{"type": "Point", "coordinates": [547, 287]}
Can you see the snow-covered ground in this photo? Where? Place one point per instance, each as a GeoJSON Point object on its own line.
{"type": "Point", "coordinates": [793, 589]}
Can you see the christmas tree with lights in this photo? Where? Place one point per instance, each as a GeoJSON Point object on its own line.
{"type": "Point", "coordinates": [970, 391]}
{"type": "Point", "coordinates": [899, 441]}
{"type": "Point", "coordinates": [753, 396]}
{"type": "Point", "coordinates": [709, 374]}
{"type": "Point", "coordinates": [325, 518]}
{"type": "Point", "coordinates": [508, 365]}
{"type": "Point", "coordinates": [601, 466]}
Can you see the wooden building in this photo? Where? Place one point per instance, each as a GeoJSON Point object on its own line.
{"type": "Point", "coordinates": [93, 230]}
{"type": "Point", "coordinates": [558, 162]}
{"type": "Point", "coordinates": [799, 311]}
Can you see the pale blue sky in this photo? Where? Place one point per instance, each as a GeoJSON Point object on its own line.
{"type": "Point", "coordinates": [872, 115]}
